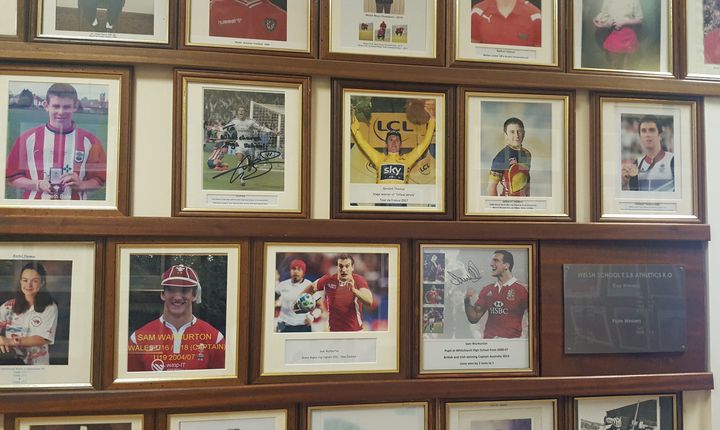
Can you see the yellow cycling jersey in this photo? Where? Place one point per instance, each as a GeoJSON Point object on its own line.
{"type": "Point", "coordinates": [394, 168]}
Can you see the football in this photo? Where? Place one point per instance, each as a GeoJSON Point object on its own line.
{"type": "Point", "coordinates": [305, 303]}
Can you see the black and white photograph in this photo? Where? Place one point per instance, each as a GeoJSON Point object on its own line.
{"type": "Point", "coordinates": [648, 412]}
{"type": "Point", "coordinates": [502, 415]}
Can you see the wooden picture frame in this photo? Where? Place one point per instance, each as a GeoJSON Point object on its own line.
{"type": "Point", "coordinates": [547, 125]}
{"type": "Point", "coordinates": [126, 421]}
{"type": "Point", "coordinates": [446, 272]}
{"type": "Point", "coordinates": [643, 46]}
{"type": "Point", "coordinates": [300, 36]}
{"type": "Point", "coordinates": [196, 363]}
{"type": "Point", "coordinates": [94, 179]}
{"type": "Point", "coordinates": [260, 164]}
{"type": "Point", "coordinates": [667, 188]}
{"type": "Point", "coordinates": [374, 348]}
{"type": "Point", "coordinates": [356, 37]}
{"type": "Point", "coordinates": [541, 413]}
{"type": "Point", "coordinates": [68, 274]}
{"type": "Point", "coordinates": [534, 41]}
{"type": "Point", "coordinates": [421, 189]}
{"type": "Point", "coordinates": [13, 30]}
{"type": "Point", "coordinates": [406, 416]}
{"type": "Point", "coordinates": [159, 25]}
{"type": "Point", "coordinates": [658, 410]}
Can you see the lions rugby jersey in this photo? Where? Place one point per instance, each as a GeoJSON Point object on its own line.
{"type": "Point", "coordinates": [395, 168]}
{"type": "Point", "coordinates": [158, 346]}
{"type": "Point", "coordinates": [344, 308]}
{"type": "Point", "coordinates": [505, 305]}
{"type": "Point", "coordinates": [39, 149]}
{"type": "Point", "coordinates": [248, 19]}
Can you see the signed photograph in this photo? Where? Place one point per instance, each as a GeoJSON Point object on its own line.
{"type": "Point", "coordinates": [517, 154]}
{"type": "Point", "coordinates": [62, 140]}
{"type": "Point", "coordinates": [506, 31]}
{"type": "Point", "coordinates": [241, 145]}
{"type": "Point", "coordinates": [393, 151]}
{"type": "Point", "coordinates": [135, 21]}
{"type": "Point", "coordinates": [647, 412]}
{"type": "Point", "coordinates": [178, 312]}
{"type": "Point", "coordinates": [476, 300]}
{"type": "Point", "coordinates": [95, 422]}
{"type": "Point", "coordinates": [247, 420]}
{"type": "Point", "coordinates": [330, 308]}
{"type": "Point", "coordinates": [623, 35]}
{"type": "Point", "coordinates": [46, 295]}
{"type": "Point", "coordinates": [648, 151]}
{"type": "Point", "coordinates": [505, 415]}
{"type": "Point", "coordinates": [383, 27]}
{"type": "Point", "coordinates": [270, 25]}
{"type": "Point", "coordinates": [405, 416]}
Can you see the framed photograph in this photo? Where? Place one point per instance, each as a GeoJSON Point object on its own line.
{"type": "Point", "coordinates": [647, 160]}
{"type": "Point", "coordinates": [511, 32]}
{"type": "Point", "coordinates": [404, 30]}
{"type": "Point", "coordinates": [280, 26]}
{"type": "Point", "coordinates": [503, 415]}
{"type": "Point", "coordinates": [703, 38]}
{"type": "Point", "coordinates": [392, 156]}
{"type": "Point", "coordinates": [330, 308]}
{"type": "Point", "coordinates": [177, 312]}
{"type": "Point", "coordinates": [518, 156]}
{"type": "Point", "coordinates": [106, 21]}
{"type": "Point", "coordinates": [12, 21]}
{"type": "Point", "coordinates": [46, 312]}
{"type": "Point", "coordinates": [477, 300]}
{"type": "Point", "coordinates": [249, 420]}
{"type": "Point", "coordinates": [651, 412]}
{"type": "Point", "coordinates": [99, 422]}
{"type": "Point", "coordinates": [630, 36]}
{"type": "Point", "coordinates": [242, 145]}
{"type": "Point", "coordinates": [406, 416]}
{"type": "Point", "coordinates": [65, 139]}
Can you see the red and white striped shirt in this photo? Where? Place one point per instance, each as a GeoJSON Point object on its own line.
{"type": "Point", "coordinates": [41, 148]}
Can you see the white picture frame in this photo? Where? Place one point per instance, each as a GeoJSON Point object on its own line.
{"type": "Point", "coordinates": [525, 414]}
{"type": "Point", "coordinates": [406, 416]}
{"type": "Point", "coordinates": [247, 420]}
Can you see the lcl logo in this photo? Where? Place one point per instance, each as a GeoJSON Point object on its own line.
{"type": "Point", "coordinates": [381, 127]}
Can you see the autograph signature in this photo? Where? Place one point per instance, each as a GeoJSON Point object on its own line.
{"type": "Point", "coordinates": [250, 168]}
{"type": "Point", "coordinates": [472, 273]}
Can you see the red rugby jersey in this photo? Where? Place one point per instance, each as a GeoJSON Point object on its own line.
{"type": "Point", "coordinates": [505, 308]}
{"type": "Point", "coordinates": [248, 19]}
{"type": "Point", "coordinates": [344, 308]}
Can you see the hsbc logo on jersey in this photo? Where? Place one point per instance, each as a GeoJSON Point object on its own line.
{"type": "Point", "coordinates": [498, 308]}
{"type": "Point", "coordinates": [392, 171]}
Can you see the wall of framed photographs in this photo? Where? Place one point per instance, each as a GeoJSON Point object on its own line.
{"type": "Point", "coordinates": [265, 381]}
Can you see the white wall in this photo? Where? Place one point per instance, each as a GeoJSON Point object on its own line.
{"type": "Point", "coordinates": [152, 184]}
{"type": "Point", "coordinates": [712, 138]}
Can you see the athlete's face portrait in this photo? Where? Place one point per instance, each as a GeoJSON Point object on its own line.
{"type": "Point", "coordinates": [497, 265]}
{"type": "Point", "coordinates": [345, 269]}
{"type": "Point", "coordinates": [649, 137]}
{"type": "Point", "coordinates": [241, 113]}
{"type": "Point", "coordinates": [30, 282]}
{"type": "Point", "coordinates": [514, 135]}
{"type": "Point", "coordinates": [178, 301]}
{"type": "Point", "coordinates": [60, 111]}
{"type": "Point", "coordinates": [393, 144]}
{"type": "Point", "coordinates": [296, 274]}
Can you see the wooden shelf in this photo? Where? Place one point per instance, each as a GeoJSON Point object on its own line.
{"type": "Point", "coordinates": [481, 75]}
{"type": "Point", "coordinates": [344, 230]}
{"type": "Point", "coordinates": [322, 392]}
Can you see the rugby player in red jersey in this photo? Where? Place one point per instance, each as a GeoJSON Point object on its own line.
{"type": "Point", "coordinates": [505, 301]}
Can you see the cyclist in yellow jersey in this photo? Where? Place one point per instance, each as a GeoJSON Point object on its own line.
{"type": "Point", "coordinates": [393, 167]}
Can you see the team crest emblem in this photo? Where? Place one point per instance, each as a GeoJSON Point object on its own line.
{"type": "Point", "coordinates": [36, 322]}
{"type": "Point", "coordinates": [270, 24]}
{"type": "Point", "coordinates": [79, 156]}
{"type": "Point", "coordinates": [201, 352]}
{"type": "Point", "coordinates": [662, 168]}
{"type": "Point", "coordinates": [511, 295]}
